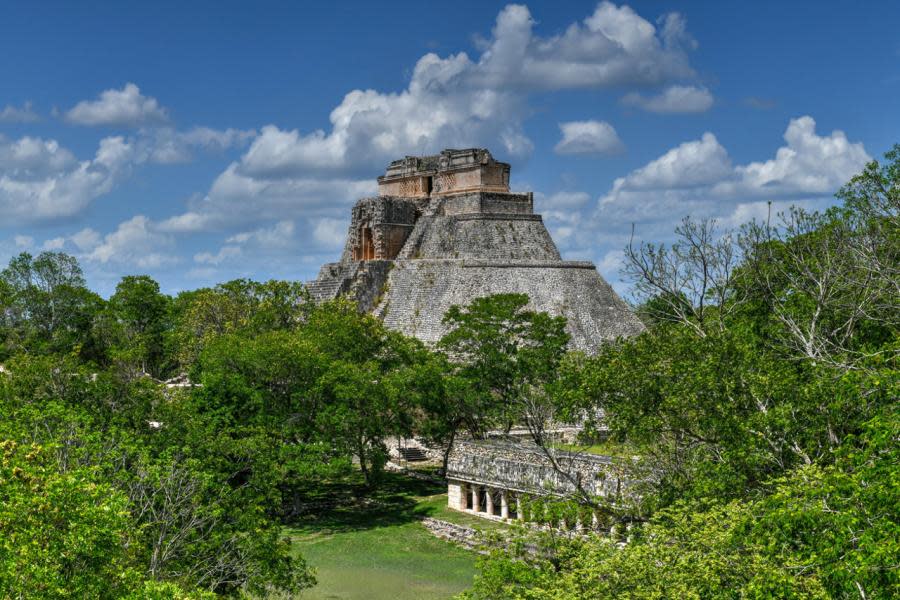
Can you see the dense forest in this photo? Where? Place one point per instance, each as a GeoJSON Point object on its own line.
{"type": "Point", "coordinates": [760, 406]}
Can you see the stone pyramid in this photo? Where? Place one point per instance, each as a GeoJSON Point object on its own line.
{"type": "Point", "coordinates": [445, 229]}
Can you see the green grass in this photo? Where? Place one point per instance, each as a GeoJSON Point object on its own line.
{"type": "Point", "coordinates": [372, 545]}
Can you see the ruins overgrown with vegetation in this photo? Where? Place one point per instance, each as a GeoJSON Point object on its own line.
{"type": "Point", "coordinates": [158, 447]}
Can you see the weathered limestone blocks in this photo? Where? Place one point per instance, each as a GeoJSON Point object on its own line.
{"type": "Point", "coordinates": [445, 229]}
{"type": "Point", "coordinates": [523, 468]}
{"type": "Point", "coordinates": [421, 291]}
{"type": "Point", "coordinates": [451, 171]}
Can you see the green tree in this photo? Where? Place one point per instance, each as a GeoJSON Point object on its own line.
{"type": "Point", "coordinates": [500, 350]}
{"type": "Point", "coordinates": [62, 535]}
{"type": "Point", "coordinates": [46, 306]}
{"type": "Point", "coordinates": [134, 326]}
{"type": "Point", "coordinates": [240, 305]}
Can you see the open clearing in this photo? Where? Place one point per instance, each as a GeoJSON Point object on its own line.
{"type": "Point", "coordinates": [377, 549]}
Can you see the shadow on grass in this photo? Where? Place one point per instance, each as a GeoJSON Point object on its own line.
{"type": "Point", "coordinates": [346, 506]}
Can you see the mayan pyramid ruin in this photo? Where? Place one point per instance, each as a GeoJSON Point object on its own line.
{"type": "Point", "coordinates": [445, 229]}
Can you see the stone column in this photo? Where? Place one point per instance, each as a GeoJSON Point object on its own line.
{"type": "Point", "coordinates": [519, 514]}
{"type": "Point", "coordinates": [475, 498]}
{"type": "Point", "coordinates": [489, 500]}
{"type": "Point", "coordinates": [504, 505]}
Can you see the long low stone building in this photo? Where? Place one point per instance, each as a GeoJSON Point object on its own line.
{"type": "Point", "coordinates": [491, 477]}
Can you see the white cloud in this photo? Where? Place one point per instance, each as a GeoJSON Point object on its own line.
{"type": "Point", "coordinates": [697, 178]}
{"type": "Point", "coordinates": [279, 235]}
{"type": "Point", "coordinates": [23, 241]}
{"type": "Point", "coordinates": [167, 145]}
{"type": "Point", "coordinates": [14, 114]}
{"type": "Point", "coordinates": [224, 254]}
{"type": "Point", "coordinates": [690, 164]}
{"type": "Point", "coordinates": [125, 108]}
{"type": "Point", "coordinates": [674, 99]}
{"type": "Point", "coordinates": [85, 240]}
{"type": "Point", "coordinates": [456, 101]}
{"type": "Point", "coordinates": [588, 137]}
{"type": "Point", "coordinates": [613, 46]}
{"type": "Point", "coordinates": [236, 199]}
{"type": "Point", "coordinates": [40, 180]}
{"type": "Point", "coordinates": [56, 243]}
{"type": "Point", "coordinates": [331, 233]}
{"type": "Point", "coordinates": [135, 242]}
{"type": "Point", "coordinates": [264, 241]}
{"type": "Point", "coordinates": [30, 158]}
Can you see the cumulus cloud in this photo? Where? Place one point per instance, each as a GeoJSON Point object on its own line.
{"type": "Point", "coordinates": [56, 243]}
{"type": "Point", "coordinates": [123, 108]}
{"type": "Point", "coordinates": [311, 178]}
{"type": "Point", "coordinates": [279, 235]}
{"type": "Point", "coordinates": [698, 177]}
{"type": "Point", "coordinates": [40, 180]}
{"type": "Point", "coordinates": [85, 240]}
{"type": "Point", "coordinates": [225, 253]}
{"type": "Point", "coordinates": [331, 233]}
{"type": "Point", "coordinates": [236, 199]}
{"type": "Point", "coordinates": [14, 114]}
{"type": "Point", "coordinates": [674, 99]}
{"type": "Point", "coordinates": [23, 241]}
{"type": "Point", "coordinates": [458, 101]}
{"type": "Point", "coordinates": [613, 46]}
{"type": "Point", "coordinates": [588, 137]}
{"type": "Point", "coordinates": [30, 158]}
{"type": "Point", "coordinates": [168, 146]}
{"type": "Point", "coordinates": [135, 242]}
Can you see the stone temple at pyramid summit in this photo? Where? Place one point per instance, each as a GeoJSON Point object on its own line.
{"type": "Point", "coordinates": [445, 229]}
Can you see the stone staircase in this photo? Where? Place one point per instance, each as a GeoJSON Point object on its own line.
{"type": "Point", "coordinates": [413, 454]}
{"type": "Point", "coordinates": [334, 280]}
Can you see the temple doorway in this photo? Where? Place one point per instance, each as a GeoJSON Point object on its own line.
{"type": "Point", "coordinates": [366, 248]}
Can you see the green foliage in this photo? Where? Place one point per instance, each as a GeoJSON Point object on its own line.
{"type": "Point", "coordinates": [762, 402]}
{"type": "Point", "coordinates": [62, 535]}
{"type": "Point", "coordinates": [501, 351]}
{"type": "Point", "coordinates": [46, 306]}
{"type": "Point", "coordinates": [134, 325]}
{"type": "Point", "coordinates": [238, 306]}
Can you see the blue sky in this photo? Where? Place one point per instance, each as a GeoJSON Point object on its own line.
{"type": "Point", "coordinates": [198, 142]}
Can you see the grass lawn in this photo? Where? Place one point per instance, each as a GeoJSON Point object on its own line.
{"type": "Point", "coordinates": [372, 546]}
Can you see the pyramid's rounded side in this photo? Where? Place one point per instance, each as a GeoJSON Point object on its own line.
{"type": "Point", "coordinates": [419, 293]}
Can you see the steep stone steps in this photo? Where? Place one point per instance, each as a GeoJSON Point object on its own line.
{"type": "Point", "coordinates": [413, 454]}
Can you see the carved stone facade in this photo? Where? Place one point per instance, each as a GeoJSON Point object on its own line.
{"type": "Point", "coordinates": [450, 172]}
{"type": "Point", "coordinates": [446, 229]}
{"type": "Point", "coordinates": [380, 227]}
{"type": "Point", "coordinates": [490, 477]}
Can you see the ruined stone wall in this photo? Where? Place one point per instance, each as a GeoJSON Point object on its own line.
{"type": "Point", "coordinates": [524, 468]}
{"type": "Point", "coordinates": [421, 291]}
{"type": "Point", "coordinates": [482, 177]}
{"type": "Point", "coordinates": [487, 203]}
{"type": "Point", "coordinates": [482, 237]}
{"type": "Point", "coordinates": [388, 220]}
{"type": "Point", "coordinates": [456, 495]}
{"type": "Point", "coordinates": [410, 187]}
